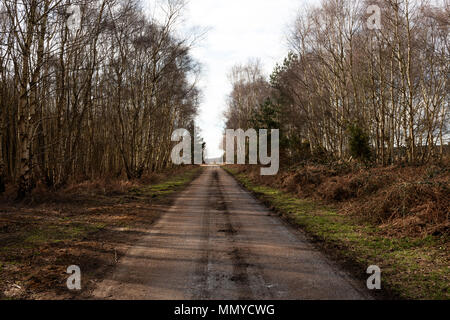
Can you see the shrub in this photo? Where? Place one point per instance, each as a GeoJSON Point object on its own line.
{"type": "Point", "coordinates": [359, 143]}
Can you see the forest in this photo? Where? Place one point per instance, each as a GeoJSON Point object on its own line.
{"type": "Point", "coordinates": [95, 93]}
{"type": "Point", "coordinates": [90, 96]}
{"type": "Point", "coordinates": [350, 89]}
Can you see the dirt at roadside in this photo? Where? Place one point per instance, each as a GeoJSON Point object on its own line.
{"type": "Point", "coordinates": [410, 201]}
{"type": "Point", "coordinates": [88, 227]}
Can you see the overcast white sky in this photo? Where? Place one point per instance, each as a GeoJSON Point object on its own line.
{"type": "Point", "coordinates": [238, 30]}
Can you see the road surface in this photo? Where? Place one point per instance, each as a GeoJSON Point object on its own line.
{"type": "Point", "coordinates": [218, 242]}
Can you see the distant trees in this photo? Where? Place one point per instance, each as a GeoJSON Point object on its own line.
{"type": "Point", "coordinates": [101, 99]}
{"type": "Point", "coordinates": [250, 89]}
{"type": "Point", "coordinates": [391, 83]}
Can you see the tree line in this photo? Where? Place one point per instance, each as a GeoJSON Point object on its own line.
{"type": "Point", "coordinates": [100, 99]}
{"type": "Point", "coordinates": [349, 90]}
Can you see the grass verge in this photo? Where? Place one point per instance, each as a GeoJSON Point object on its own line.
{"type": "Point", "coordinates": [87, 227]}
{"type": "Point", "coordinates": [412, 268]}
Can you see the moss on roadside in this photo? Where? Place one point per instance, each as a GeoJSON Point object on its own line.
{"type": "Point", "coordinates": [412, 268]}
{"type": "Point", "coordinates": [60, 232]}
{"type": "Point", "coordinates": [167, 187]}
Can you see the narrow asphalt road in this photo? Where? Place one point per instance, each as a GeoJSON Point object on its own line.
{"type": "Point", "coordinates": [218, 242]}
